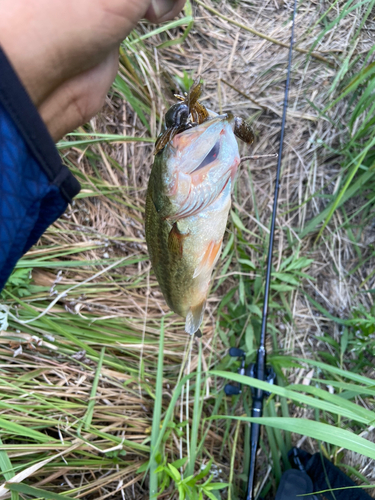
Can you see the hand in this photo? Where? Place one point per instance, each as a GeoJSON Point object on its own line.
{"type": "Point", "coordinates": [66, 51]}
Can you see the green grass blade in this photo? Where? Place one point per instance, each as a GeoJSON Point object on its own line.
{"type": "Point", "coordinates": [100, 139]}
{"type": "Point", "coordinates": [297, 396]}
{"type": "Point", "coordinates": [188, 10]}
{"type": "Point", "coordinates": [357, 80]}
{"type": "Point", "coordinates": [20, 430]}
{"type": "Point", "coordinates": [352, 191]}
{"type": "Point", "coordinates": [35, 492]}
{"type": "Point", "coordinates": [165, 27]}
{"type": "Point", "coordinates": [337, 371]}
{"type": "Point", "coordinates": [7, 470]}
{"type": "Point", "coordinates": [316, 430]}
{"type": "Point", "coordinates": [196, 416]}
{"type": "Point", "coordinates": [121, 86]}
{"type": "Point", "coordinates": [91, 405]}
{"type": "Point", "coordinates": [155, 432]}
{"type": "Point", "coordinates": [342, 193]}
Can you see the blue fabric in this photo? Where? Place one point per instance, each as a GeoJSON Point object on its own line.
{"type": "Point", "coordinates": [29, 203]}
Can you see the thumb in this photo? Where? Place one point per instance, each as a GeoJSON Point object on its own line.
{"type": "Point", "coordinates": [80, 98]}
{"type": "Point", "coordinates": [162, 10]}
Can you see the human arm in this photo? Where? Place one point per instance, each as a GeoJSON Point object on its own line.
{"type": "Point", "coordinates": [65, 53]}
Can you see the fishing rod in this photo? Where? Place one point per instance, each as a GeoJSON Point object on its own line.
{"type": "Point", "coordinates": [259, 370]}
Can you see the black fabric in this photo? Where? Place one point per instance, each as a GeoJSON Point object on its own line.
{"type": "Point", "coordinates": [325, 475]}
{"type": "Point", "coordinates": [295, 485]}
{"type": "Point", "coordinates": [22, 111]}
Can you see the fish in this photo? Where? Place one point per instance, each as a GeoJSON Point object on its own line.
{"type": "Point", "coordinates": [187, 205]}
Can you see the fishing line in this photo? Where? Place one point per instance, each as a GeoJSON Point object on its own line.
{"type": "Point", "coordinates": [260, 370]}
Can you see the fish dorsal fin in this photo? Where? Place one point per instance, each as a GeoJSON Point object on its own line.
{"type": "Point", "coordinates": [194, 318]}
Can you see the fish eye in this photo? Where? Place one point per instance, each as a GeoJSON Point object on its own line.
{"type": "Point", "coordinates": [177, 115]}
{"type": "Point", "coordinates": [211, 156]}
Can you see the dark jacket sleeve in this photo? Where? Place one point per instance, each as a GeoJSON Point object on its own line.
{"type": "Point", "coordinates": [35, 187]}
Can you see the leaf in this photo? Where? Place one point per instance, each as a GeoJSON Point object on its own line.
{"type": "Point", "coordinates": [316, 430]}
{"type": "Point", "coordinates": [20, 430]}
{"type": "Point", "coordinates": [249, 338]}
{"type": "Point", "coordinates": [35, 492]}
{"type": "Point", "coordinates": [349, 193]}
{"type": "Point", "coordinates": [153, 487]}
{"type": "Point", "coordinates": [7, 469]}
{"type": "Point", "coordinates": [253, 308]}
{"type": "Point", "coordinates": [296, 396]}
{"type": "Point", "coordinates": [210, 495]}
{"type": "Point", "coordinates": [90, 408]}
{"type": "Point", "coordinates": [217, 486]}
{"type": "Point", "coordinates": [174, 473]}
{"type": "Point", "coordinates": [341, 194]}
{"type": "Point", "coordinates": [189, 15]}
{"type": "Point", "coordinates": [161, 29]}
{"type": "Point", "coordinates": [241, 291]}
{"type": "Point", "coordinates": [180, 462]}
{"type": "Point", "coordinates": [338, 371]}
{"type": "Point", "coordinates": [196, 417]}
{"type": "Point", "coordinates": [282, 288]}
{"type": "Point", "coordinates": [100, 139]}
{"type": "Point", "coordinates": [237, 221]}
{"type": "Point", "coordinates": [143, 467]}
{"type": "Point", "coordinates": [247, 262]}
{"type": "Point", "coordinates": [286, 277]}
{"type": "Point", "coordinates": [122, 87]}
{"type": "Point", "coordinates": [205, 471]}
{"type": "Point", "coordinates": [300, 263]}
{"type": "Point", "coordinates": [181, 492]}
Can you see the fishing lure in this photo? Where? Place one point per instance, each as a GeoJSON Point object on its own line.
{"type": "Point", "coordinates": [188, 200]}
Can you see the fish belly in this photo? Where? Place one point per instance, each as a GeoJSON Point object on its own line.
{"type": "Point", "coordinates": [183, 254]}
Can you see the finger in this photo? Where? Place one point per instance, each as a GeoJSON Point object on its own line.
{"type": "Point", "coordinates": [163, 10]}
{"type": "Point", "coordinates": [79, 99]}
{"type": "Point", "coordinates": [63, 37]}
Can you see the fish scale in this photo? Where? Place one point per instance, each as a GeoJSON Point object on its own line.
{"type": "Point", "coordinates": [183, 260]}
{"type": "Point", "coordinates": [188, 200]}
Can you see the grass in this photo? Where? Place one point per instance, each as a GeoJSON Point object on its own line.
{"type": "Point", "coordinates": [102, 393]}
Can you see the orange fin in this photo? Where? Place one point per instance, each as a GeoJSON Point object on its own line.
{"type": "Point", "coordinates": [209, 258]}
{"type": "Point", "coordinates": [194, 318]}
{"type": "Point", "coordinates": [176, 240]}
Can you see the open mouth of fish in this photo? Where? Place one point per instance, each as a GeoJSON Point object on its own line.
{"type": "Point", "coordinates": [203, 162]}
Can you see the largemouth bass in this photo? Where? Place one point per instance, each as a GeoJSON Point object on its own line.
{"type": "Point", "coordinates": [187, 205]}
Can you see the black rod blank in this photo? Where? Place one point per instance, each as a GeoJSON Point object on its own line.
{"type": "Point", "coordinates": [260, 365]}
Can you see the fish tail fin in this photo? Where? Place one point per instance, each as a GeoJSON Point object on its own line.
{"type": "Point", "coordinates": [194, 318]}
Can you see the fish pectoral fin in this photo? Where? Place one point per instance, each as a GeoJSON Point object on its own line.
{"type": "Point", "coordinates": [209, 258]}
{"type": "Point", "coordinates": [176, 240]}
{"type": "Point", "coordinates": [194, 318]}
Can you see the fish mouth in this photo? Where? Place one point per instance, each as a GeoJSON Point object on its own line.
{"type": "Point", "coordinates": [196, 139]}
{"type": "Point", "coordinates": [210, 157]}
{"type": "Point", "coordinates": [218, 118]}
{"type": "Point", "coordinates": [205, 152]}
{"type": "Point", "coordinates": [207, 124]}
{"type": "Point", "coordinates": [214, 152]}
